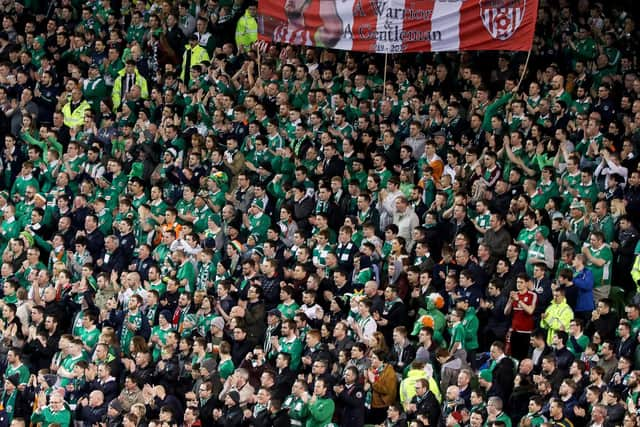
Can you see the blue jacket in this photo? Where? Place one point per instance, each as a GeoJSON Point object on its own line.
{"type": "Point", "coordinates": [584, 282]}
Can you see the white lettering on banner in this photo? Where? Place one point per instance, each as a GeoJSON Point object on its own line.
{"type": "Point", "coordinates": [391, 26]}
{"type": "Point", "coordinates": [381, 10]}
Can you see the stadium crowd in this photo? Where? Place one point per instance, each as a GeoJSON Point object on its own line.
{"type": "Point", "coordinates": [199, 229]}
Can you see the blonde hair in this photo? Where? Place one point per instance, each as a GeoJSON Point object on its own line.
{"type": "Point", "coordinates": [618, 208]}
{"type": "Point", "coordinates": [58, 267]}
{"type": "Point", "coordinates": [139, 409]}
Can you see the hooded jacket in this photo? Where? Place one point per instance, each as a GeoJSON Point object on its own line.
{"type": "Point", "coordinates": [117, 96]}
{"type": "Point", "coordinates": [408, 386]}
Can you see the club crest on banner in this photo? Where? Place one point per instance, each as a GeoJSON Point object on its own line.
{"type": "Point", "coordinates": [502, 18]}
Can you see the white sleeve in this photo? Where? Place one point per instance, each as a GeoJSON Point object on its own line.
{"type": "Point", "coordinates": [369, 329]}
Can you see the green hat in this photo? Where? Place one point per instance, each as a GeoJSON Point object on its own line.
{"type": "Point", "coordinates": [578, 204]}
{"type": "Point", "coordinates": [258, 203]}
{"type": "Point", "coordinates": [4, 195]}
{"type": "Point", "coordinates": [28, 237]}
{"type": "Point", "coordinates": [485, 374]}
{"type": "Point", "coordinates": [219, 178]}
{"type": "Point", "coordinates": [137, 170]}
{"type": "Point", "coordinates": [544, 230]}
{"type": "Point", "coordinates": [40, 40]}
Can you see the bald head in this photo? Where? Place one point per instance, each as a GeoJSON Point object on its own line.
{"type": "Point", "coordinates": [526, 366]}
{"type": "Point", "coordinates": [96, 398]}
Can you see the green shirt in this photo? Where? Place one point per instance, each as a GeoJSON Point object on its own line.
{"type": "Point", "coordinates": [68, 363]}
{"type": "Point", "coordinates": [89, 338]}
{"type": "Point", "coordinates": [10, 230]}
{"type": "Point", "coordinates": [288, 311]}
{"type": "Point", "coordinates": [158, 208]}
{"type": "Point", "coordinates": [258, 225]}
{"type": "Point", "coordinates": [483, 220]}
{"type": "Point", "coordinates": [504, 418]}
{"type": "Point", "coordinates": [606, 226]}
{"type": "Point", "coordinates": [21, 183]}
{"type": "Point", "coordinates": [94, 91]}
{"type": "Point", "coordinates": [298, 411]}
{"type": "Point", "coordinates": [527, 236]}
{"type": "Point", "coordinates": [136, 202]}
{"type": "Point", "coordinates": [127, 335]}
{"type": "Point", "coordinates": [588, 192]}
{"type": "Point", "coordinates": [471, 325]}
{"type": "Point", "coordinates": [21, 370]}
{"type": "Point", "coordinates": [457, 334]}
{"type": "Point", "coordinates": [320, 412]}
{"type": "Point", "coordinates": [601, 275]}
{"type": "Point", "coordinates": [582, 342]}
{"type": "Point", "coordinates": [183, 207]}
{"type": "Point", "coordinates": [294, 348]}
{"type": "Point", "coordinates": [536, 419]}
{"type": "Point", "coordinates": [188, 273]}
{"type": "Point", "coordinates": [162, 338]}
{"type": "Point", "coordinates": [535, 253]}
{"type": "Point", "coordinates": [9, 404]}
{"type": "Point", "coordinates": [585, 50]}
{"type": "Point", "coordinates": [47, 417]}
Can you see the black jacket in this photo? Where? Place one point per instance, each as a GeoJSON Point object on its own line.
{"type": "Point", "coordinates": [91, 415]}
{"type": "Point", "coordinates": [605, 325]}
{"type": "Point", "coordinates": [231, 417]}
{"type": "Point", "coordinates": [284, 380]}
{"type": "Point", "coordinates": [206, 410]}
{"type": "Point", "coordinates": [116, 262]}
{"type": "Point", "coordinates": [502, 379]}
{"type": "Point", "coordinates": [262, 419]}
{"type": "Point", "coordinates": [127, 246]}
{"type": "Point", "coordinates": [427, 405]}
{"type": "Point", "coordinates": [109, 389]}
{"type": "Point", "coordinates": [564, 359]}
{"type": "Point", "coordinates": [168, 375]}
{"type": "Point", "coordinates": [254, 321]}
{"type": "Point", "coordinates": [280, 419]}
{"type": "Point", "coordinates": [331, 168]}
{"type": "Point", "coordinates": [537, 367]}
{"type": "Point", "coordinates": [351, 403]}
{"type": "Point", "coordinates": [95, 244]}
{"type": "Point", "coordinates": [239, 350]}
{"type": "Point", "coordinates": [302, 209]}
{"type": "Point", "coordinates": [401, 358]}
{"type": "Point", "coordinates": [319, 352]}
{"type": "Point", "coordinates": [396, 315]}
{"type": "Point", "coordinates": [626, 348]}
{"type": "Point", "coordinates": [271, 291]}
{"type": "Point", "coordinates": [45, 353]}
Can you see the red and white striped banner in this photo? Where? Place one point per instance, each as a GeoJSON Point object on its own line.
{"type": "Point", "coordinates": [393, 26]}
